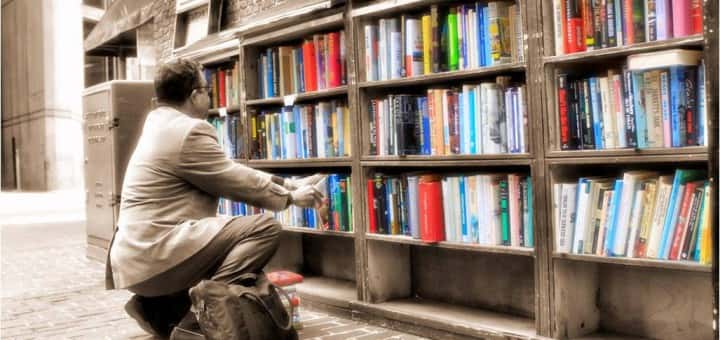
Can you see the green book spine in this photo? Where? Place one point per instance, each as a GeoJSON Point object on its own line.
{"type": "Point", "coordinates": [452, 53]}
{"type": "Point", "coordinates": [504, 213]}
{"type": "Point", "coordinates": [529, 241]}
{"type": "Point", "coordinates": [348, 200]}
{"type": "Point", "coordinates": [342, 205]}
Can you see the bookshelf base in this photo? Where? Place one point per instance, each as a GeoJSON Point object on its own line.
{"type": "Point", "coordinates": [437, 319]}
{"type": "Point", "coordinates": [608, 336]}
{"type": "Point", "coordinates": [327, 291]}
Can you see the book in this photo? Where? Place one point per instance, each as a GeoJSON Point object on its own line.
{"type": "Point", "coordinates": [430, 200]}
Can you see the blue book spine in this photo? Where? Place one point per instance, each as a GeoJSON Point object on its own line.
{"type": "Point", "coordinates": [671, 215]}
{"type": "Point", "coordinates": [333, 191]}
{"type": "Point", "coordinates": [283, 133]}
{"type": "Point", "coordinates": [466, 237]}
{"type": "Point", "coordinates": [677, 105]}
{"type": "Point", "coordinates": [639, 109]}
{"type": "Point", "coordinates": [596, 109]}
{"type": "Point", "coordinates": [390, 214]}
{"type": "Point", "coordinates": [463, 23]}
{"type": "Point", "coordinates": [299, 146]}
{"type": "Point", "coordinates": [611, 221]}
{"type": "Point", "coordinates": [701, 109]}
{"type": "Point", "coordinates": [301, 69]}
{"type": "Point", "coordinates": [471, 121]}
{"type": "Point", "coordinates": [339, 132]}
{"type": "Point", "coordinates": [486, 35]}
{"type": "Point", "coordinates": [426, 142]}
{"type": "Point", "coordinates": [662, 20]}
{"type": "Point", "coordinates": [529, 225]}
{"type": "Point", "coordinates": [269, 74]}
{"type": "Point", "coordinates": [479, 36]}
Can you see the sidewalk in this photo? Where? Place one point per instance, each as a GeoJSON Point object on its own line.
{"type": "Point", "coordinates": [50, 290]}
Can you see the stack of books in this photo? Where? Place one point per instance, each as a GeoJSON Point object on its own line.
{"type": "Point", "coordinates": [485, 209]}
{"type": "Point", "coordinates": [225, 85]}
{"type": "Point", "coordinates": [584, 25]}
{"type": "Point", "coordinates": [484, 118]}
{"type": "Point", "coordinates": [335, 213]}
{"type": "Point", "coordinates": [302, 131]}
{"type": "Point", "coordinates": [645, 214]}
{"type": "Point", "coordinates": [229, 135]}
{"type": "Point", "coordinates": [444, 39]}
{"type": "Point", "coordinates": [317, 63]}
{"type": "Point", "coordinates": [657, 100]}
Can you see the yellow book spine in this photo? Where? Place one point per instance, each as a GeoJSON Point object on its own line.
{"type": "Point", "coordinates": [706, 248]}
{"type": "Point", "coordinates": [427, 43]}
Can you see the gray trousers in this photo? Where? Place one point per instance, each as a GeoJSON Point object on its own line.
{"type": "Point", "coordinates": [244, 245]}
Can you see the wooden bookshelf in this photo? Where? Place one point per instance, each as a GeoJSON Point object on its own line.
{"type": "Point", "coordinates": [448, 289]}
{"type": "Point", "coordinates": [692, 42]}
{"type": "Point", "coordinates": [301, 97]}
{"type": "Point", "coordinates": [647, 263]}
{"type": "Point", "coordinates": [318, 231]}
{"type": "Point", "coordinates": [441, 77]}
{"type": "Point", "coordinates": [230, 109]}
{"type": "Point", "coordinates": [521, 251]}
{"type": "Point", "coordinates": [301, 163]}
{"type": "Point", "coordinates": [438, 319]}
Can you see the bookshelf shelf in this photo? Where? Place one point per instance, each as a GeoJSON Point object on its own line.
{"type": "Point", "coordinates": [230, 109]}
{"type": "Point", "coordinates": [328, 291]}
{"type": "Point", "coordinates": [441, 161]}
{"type": "Point", "coordinates": [318, 232]}
{"type": "Point", "coordinates": [294, 32]}
{"type": "Point", "coordinates": [647, 263]}
{"type": "Point", "coordinates": [690, 152]}
{"type": "Point", "coordinates": [423, 316]}
{"type": "Point", "coordinates": [612, 52]}
{"type": "Point", "coordinates": [445, 76]}
{"type": "Point", "coordinates": [451, 245]}
{"type": "Point", "coordinates": [629, 159]}
{"type": "Point", "coordinates": [300, 97]}
{"type": "Point", "coordinates": [608, 336]}
{"type": "Point", "coordinates": [300, 163]}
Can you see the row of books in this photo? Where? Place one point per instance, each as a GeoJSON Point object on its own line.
{"type": "Point", "coordinates": [444, 39]}
{"type": "Point", "coordinates": [486, 209]}
{"type": "Point", "coordinates": [225, 84]}
{"type": "Point", "coordinates": [335, 213]}
{"type": "Point", "coordinates": [485, 118]}
{"type": "Point", "coordinates": [302, 131]}
{"type": "Point", "coordinates": [229, 135]}
{"type": "Point", "coordinates": [657, 100]}
{"type": "Point", "coordinates": [317, 63]}
{"type": "Point", "coordinates": [645, 214]}
{"type": "Point", "coordinates": [583, 25]}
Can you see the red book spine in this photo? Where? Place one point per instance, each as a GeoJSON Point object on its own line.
{"type": "Point", "coordinates": [432, 226]}
{"type": "Point", "coordinates": [334, 59]}
{"type": "Point", "coordinates": [310, 75]}
{"type": "Point", "coordinates": [563, 112]}
{"type": "Point", "coordinates": [221, 96]}
{"type": "Point", "coordinates": [696, 15]}
{"type": "Point", "coordinates": [575, 37]}
{"type": "Point", "coordinates": [682, 18]}
{"type": "Point", "coordinates": [371, 205]}
{"type": "Point", "coordinates": [682, 220]}
{"type": "Point", "coordinates": [588, 24]}
{"type": "Point", "coordinates": [627, 12]}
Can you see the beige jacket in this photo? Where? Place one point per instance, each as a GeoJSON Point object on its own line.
{"type": "Point", "coordinates": [170, 196]}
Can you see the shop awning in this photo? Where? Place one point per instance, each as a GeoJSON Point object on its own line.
{"type": "Point", "coordinates": [115, 30]}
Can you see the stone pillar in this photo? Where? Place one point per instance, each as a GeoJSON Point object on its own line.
{"type": "Point", "coordinates": [42, 84]}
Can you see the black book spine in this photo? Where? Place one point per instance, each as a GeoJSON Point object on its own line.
{"type": "Point", "coordinates": [588, 135]}
{"type": "Point", "coordinates": [629, 110]}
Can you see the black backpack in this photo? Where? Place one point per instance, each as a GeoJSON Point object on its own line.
{"type": "Point", "coordinates": [249, 310]}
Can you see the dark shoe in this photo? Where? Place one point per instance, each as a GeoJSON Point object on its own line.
{"type": "Point", "coordinates": [158, 315]}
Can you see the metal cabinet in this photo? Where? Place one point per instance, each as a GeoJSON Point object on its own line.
{"type": "Point", "coordinates": [113, 116]}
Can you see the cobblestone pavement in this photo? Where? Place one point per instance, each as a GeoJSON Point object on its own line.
{"type": "Point", "coordinates": [50, 290]}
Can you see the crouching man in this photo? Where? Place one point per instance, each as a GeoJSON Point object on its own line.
{"type": "Point", "coordinates": [168, 236]}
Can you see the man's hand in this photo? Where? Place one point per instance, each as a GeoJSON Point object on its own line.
{"type": "Point", "coordinates": [291, 184]}
{"type": "Point", "coordinates": [307, 197]}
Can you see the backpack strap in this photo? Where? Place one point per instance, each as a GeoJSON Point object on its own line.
{"type": "Point", "coordinates": [255, 298]}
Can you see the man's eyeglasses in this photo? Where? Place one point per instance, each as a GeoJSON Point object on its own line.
{"type": "Point", "coordinates": [206, 88]}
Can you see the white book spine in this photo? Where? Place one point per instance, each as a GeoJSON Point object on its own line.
{"type": "Point", "coordinates": [610, 127]}
{"type": "Point", "coordinates": [568, 210]}
{"type": "Point", "coordinates": [581, 217]}
{"type": "Point", "coordinates": [622, 226]}
{"type": "Point", "coordinates": [371, 53]}
{"type": "Point", "coordinates": [658, 217]}
{"type": "Point", "coordinates": [635, 218]}
{"type": "Point", "coordinates": [449, 235]}
{"type": "Point", "coordinates": [396, 54]}
{"type": "Point", "coordinates": [559, 20]}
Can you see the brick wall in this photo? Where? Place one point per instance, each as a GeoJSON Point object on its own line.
{"type": "Point", "coordinates": [235, 10]}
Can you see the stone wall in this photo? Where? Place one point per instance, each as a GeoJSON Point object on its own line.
{"type": "Point", "coordinates": [235, 10]}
